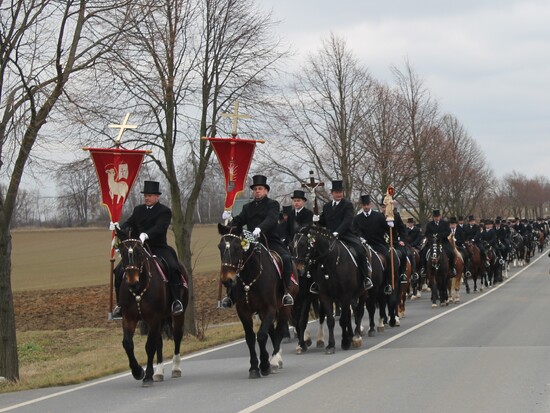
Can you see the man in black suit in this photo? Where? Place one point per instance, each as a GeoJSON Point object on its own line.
{"type": "Point", "coordinates": [372, 227]}
{"type": "Point", "coordinates": [299, 216]}
{"type": "Point", "coordinates": [337, 217]}
{"type": "Point", "coordinates": [440, 229]}
{"type": "Point", "coordinates": [261, 217]}
{"type": "Point", "coordinates": [414, 235]}
{"type": "Point", "coordinates": [150, 222]}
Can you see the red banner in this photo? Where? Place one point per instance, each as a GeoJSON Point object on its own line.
{"type": "Point", "coordinates": [235, 156]}
{"type": "Point", "coordinates": [116, 170]}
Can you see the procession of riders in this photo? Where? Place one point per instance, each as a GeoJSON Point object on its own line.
{"type": "Point", "coordinates": [378, 227]}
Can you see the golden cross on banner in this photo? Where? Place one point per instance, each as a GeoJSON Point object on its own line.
{"type": "Point", "coordinates": [236, 116]}
{"type": "Point", "coordinates": [122, 127]}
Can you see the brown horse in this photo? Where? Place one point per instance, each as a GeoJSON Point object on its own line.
{"type": "Point", "coordinates": [404, 292]}
{"type": "Point", "coordinates": [144, 296]}
{"type": "Point", "coordinates": [474, 268]}
{"type": "Point", "coordinates": [251, 270]}
{"type": "Point", "coordinates": [455, 282]}
{"type": "Point", "coordinates": [437, 271]}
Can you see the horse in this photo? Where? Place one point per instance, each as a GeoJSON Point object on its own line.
{"type": "Point", "coordinates": [455, 282]}
{"type": "Point", "coordinates": [540, 240]}
{"type": "Point", "coordinates": [437, 271]}
{"type": "Point", "coordinates": [518, 248]}
{"type": "Point", "coordinates": [404, 289]}
{"type": "Point", "coordinates": [253, 273]}
{"type": "Point", "coordinates": [338, 280]}
{"type": "Point", "coordinates": [474, 267]}
{"type": "Point", "coordinates": [494, 270]}
{"type": "Point", "coordinates": [416, 283]}
{"type": "Point", "coordinates": [144, 296]}
{"type": "Point", "coordinates": [375, 296]}
{"type": "Point", "coordinates": [305, 300]}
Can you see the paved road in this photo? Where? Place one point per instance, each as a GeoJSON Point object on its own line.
{"type": "Point", "coordinates": [491, 353]}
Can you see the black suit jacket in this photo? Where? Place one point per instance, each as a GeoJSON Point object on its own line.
{"type": "Point", "coordinates": [154, 222]}
{"type": "Point", "coordinates": [371, 228]}
{"type": "Point", "coordinates": [441, 230]}
{"type": "Point", "coordinates": [297, 221]}
{"type": "Point", "coordinates": [337, 219]}
{"type": "Point", "coordinates": [414, 236]}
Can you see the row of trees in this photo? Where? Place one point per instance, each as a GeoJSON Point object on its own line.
{"type": "Point", "coordinates": [177, 65]}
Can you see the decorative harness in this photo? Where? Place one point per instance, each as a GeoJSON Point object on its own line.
{"type": "Point", "coordinates": [132, 266]}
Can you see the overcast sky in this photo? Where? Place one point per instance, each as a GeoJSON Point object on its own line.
{"type": "Point", "coordinates": [486, 62]}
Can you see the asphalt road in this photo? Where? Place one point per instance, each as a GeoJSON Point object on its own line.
{"type": "Point", "coordinates": [491, 353]}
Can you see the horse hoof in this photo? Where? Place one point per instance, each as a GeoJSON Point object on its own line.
{"type": "Point", "coordinates": [309, 342]}
{"type": "Point", "coordinates": [357, 341]}
{"type": "Point", "coordinates": [301, 350]}
{"type": "Point", "coordinates": [320, 344]}
{"type": "Point", "coordinates": [139, 374]}
{"type": "Point", "coordinates": [176, 374]}
{"type": "Point", "coordinates": [158, 377]}
{"type": "Point", "coordinates": [434, 305]}
{"type": "Point", "coordinates": [254, 374]}
{"type": "Point", "coordinates": [372, 333]}
{"type": "Point", "coordinates": [266, 372]}
{"type": "Point", "coordinates": [397, 322]}
{"type": "Point", "coordinates": [380, 329]}
{"type": "Point", "coordinates": [329, 350]}
{"type": "Point", "coordinates": [147, 383]}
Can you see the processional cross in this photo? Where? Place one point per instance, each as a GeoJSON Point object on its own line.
{"type": "Point", "coordinates": [312, 186]}
{"type": "Point", "coordinates": [122, 127]}
{"type": "Point", "coordinates": [236, 116]}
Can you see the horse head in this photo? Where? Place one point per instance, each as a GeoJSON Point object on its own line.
{"type": "Point", "coordinates": [435, 252]}
{"type": "Point", "coordinates": [134, 259]}
{"type": "Point", "coordinates": [236, 246]}
{"type": "Point", "coordinates": [301, 248]}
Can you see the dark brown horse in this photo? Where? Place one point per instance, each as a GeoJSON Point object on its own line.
{"type": "Point", "coordinates": [144, 296]}
{"type": "Point", "coordinates": [474, 267]}
{"type": "Point", "coordinates": [437, 271]}
{"type": "Point", "coordinates": [250, 270]}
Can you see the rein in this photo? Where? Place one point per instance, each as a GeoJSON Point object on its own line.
{"type": "Point", "coordinates": [131, 266]}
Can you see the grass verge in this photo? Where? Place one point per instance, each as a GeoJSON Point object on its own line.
{"type": "Point", "coordinates": [57, 358]}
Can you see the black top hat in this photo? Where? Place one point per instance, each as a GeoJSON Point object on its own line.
{"type": "Point", "coordinates": [460, 218]}
{"type": "Point", "coordinates": [299, 194]}
{"type": "Point", "coordinates": [489, 222]}
{"type": "Point", "coordinates": [498, 220]}
{"type": "Point", "coordinates": [365, 199]}
{"type": "Point", "coordinates": [151, 187]}
{"type": "Point", "coordinates": [410, 220]}
{"type": "Point", "coordinates": [259, 180]}
{"type": "Point", "coordinates": [436, 213]}
{"type": "Point", "coordinates": [452, 220]}
{"type": "Point", "coordinates": [471, 218]}
{"type": "Point", "coordinates": [337, 186]}
{"type": "Point", "coordinates": [287, 209]}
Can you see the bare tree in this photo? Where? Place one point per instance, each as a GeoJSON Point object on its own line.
{"type": "Point", "coordinates": [42, 43]}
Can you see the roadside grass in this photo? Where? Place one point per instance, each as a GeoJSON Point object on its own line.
{"type": "Point", "coordinates": [59, 358]}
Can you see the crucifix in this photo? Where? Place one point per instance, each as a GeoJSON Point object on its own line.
{"type": "Point", "coordinates": [236, 116]}
{"type": "Point", "coordinates": [122, 127]}
{"type": "Point", "coordinates": [311, 186]}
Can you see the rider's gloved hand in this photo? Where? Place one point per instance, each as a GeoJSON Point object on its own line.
{"type": "Point", "coordinates": [113, 226]}
{"type": "Point", "coordinates": [256, 232]}
{"type": "Point", "coordinates": [143, 237]}
{"type": "Point", "coordinates": [226, 215]}
{"type": "Point", "coordinates": [390, 224]}
{"type": "Point", "coordinates": [316, 218]}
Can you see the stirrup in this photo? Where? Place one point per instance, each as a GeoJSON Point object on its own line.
{"type": "Point", "coordinates": [468, 274]}
{"type": "Point", "coordinates": [388, 289]}
{"type": "Point", "coordinates": [314, 288]}
{"type": "Point", "coordinates": [117, 313]}
{"type": "Point", "coordinates": [501, 261]}
{"type": "Point", "coordinates": [367, 283]}
{"type": "Point", "coordinates": [403, 278]}
{"type": "Point", "coordinates": [287, 300]}
{"type": "Point", "coordinates": [227, 302]}
{"type": "Point", "coordinates": [415, 276]}
{"type": "Point", "coordinates": [177, 307]}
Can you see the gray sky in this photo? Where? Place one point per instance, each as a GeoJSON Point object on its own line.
{"type": "Point", "coordinates": [486, 62]}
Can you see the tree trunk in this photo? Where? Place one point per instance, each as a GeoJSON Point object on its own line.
{"type": "Point", "coordinates": [9, 363]}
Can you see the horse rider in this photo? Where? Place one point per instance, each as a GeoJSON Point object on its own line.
{"type": "Point", "coordinates": [337, 217]}
{"type": "Point", "coordinates": [489, 236]}
{"type": "Point", "coordinates": [283, 224]}
{"type": "Point", "coordinates": [441, 230]}
{"type": "Point", "coordinates": [472, 234]}
{"type": "Point", "coordinates": [150, 221]}
{"type": "Point", "coordinates": [260, 215]}
{"type": "Point", "coordinates": [413, 234]}
{"type": "Point", "coordinates": [399, 234]}
{"type": "Point", "coordinates": [372, 227]}
{"type": "Point", "coordinates": [459, 235]}
{"type": "Point", "coordinates": [299, 216]}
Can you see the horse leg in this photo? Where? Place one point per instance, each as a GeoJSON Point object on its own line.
{"type": "Point", "coordinates": [358, 313]}
{"type": "Point", "coordinates": [250, 337]}
{"type": "Point", "coordinates": [158, 375]}
{"type": "Point", "coordinates": [371, 308]}
{"type": "Point", "coordinates": [345, 324]}
{"type": "Point", "coordinates": [129, 328]}
{"type": "Point", "coordinates": [277, 335]}
{"type": "Point", "coordinates": [177, 327]}
{"type": "Point", "coordinates": [261, 337]}
{"type": "Point", "coordinates": [151, 346]}
{"type": "Point", "coordinates": [302, 325]}
{"type": "Point", "coordinates": [434, 292]}
{"type": "Point", "coordinates": [327, 304]}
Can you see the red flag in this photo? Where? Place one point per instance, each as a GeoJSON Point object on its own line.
{"type": "Point", "coordinates": [235, 156]}
{"type": "Point", "coordinates": [116, 170]}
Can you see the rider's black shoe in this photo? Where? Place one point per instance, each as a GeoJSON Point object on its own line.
{"type": "Point", "coordinates": [177, 307]}
{"type": "Point", "coordinates": [288, 300]}
{"type": "Point", "coordinates": [227, 302]}
{"type": "Point", "coordinates": [367, 283]}
{"type": "Point", "coordinates": [314, 288]}
{"type": "Point", "coordinates": [117, 313]}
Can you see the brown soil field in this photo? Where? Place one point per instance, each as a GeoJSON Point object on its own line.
{"type": "Point", "coordinates": [69, 308]}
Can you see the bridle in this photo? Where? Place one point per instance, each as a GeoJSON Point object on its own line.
{"type": "Point", "coordinates": [132, 265]}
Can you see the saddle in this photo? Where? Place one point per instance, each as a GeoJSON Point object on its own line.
{"type": "Point", "coordinates": [163, 269]}
{"type": "Point", "coordinates": [278, 261]}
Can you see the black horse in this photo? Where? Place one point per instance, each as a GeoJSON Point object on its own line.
{"type": "Point", "coordinates": [144, 296]}
{"type": "Point", "coordinates": [375, 296]}
{"type": "Point", "coordinates": [438, 272]}
{"type": "Point", "coordinates": [250, 269]}
{"type": "Point", "coordinates": [338, 279]}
